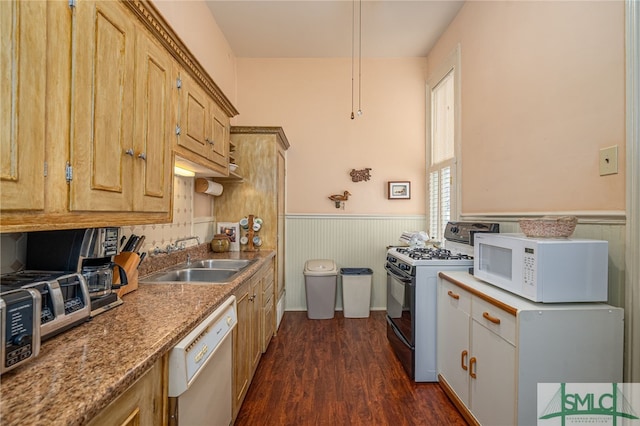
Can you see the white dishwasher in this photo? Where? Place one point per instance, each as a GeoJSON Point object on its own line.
{"type": "Point", "coordinates": [200, 371]}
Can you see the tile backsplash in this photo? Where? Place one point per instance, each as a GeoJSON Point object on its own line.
{"type": "Point", "coordinates": [186, 202]}
{"type": "Point", "coordinates": [184, 223]}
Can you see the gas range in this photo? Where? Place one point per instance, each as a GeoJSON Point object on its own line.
{"type": "Point", "coordinates": [412, 291]}
{"type": "Point", "coordinates": [457, 249]}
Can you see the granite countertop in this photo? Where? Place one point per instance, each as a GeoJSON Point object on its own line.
{"type": "Point", "coordinates": [79, 372]}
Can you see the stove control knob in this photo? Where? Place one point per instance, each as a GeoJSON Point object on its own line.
{"type": "Point", "coordinates": [454, 229]}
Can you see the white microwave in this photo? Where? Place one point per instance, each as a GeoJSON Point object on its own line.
{"type": "Point", "coordinates": [548, 270]}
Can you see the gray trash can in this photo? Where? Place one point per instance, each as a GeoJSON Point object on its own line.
{"type": "Point", "coordinates": [320, 278]}
{"type": "Point", "coordinates": [356, 292]}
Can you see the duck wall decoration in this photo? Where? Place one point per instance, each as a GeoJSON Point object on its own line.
{"type": "Point", "coordinates": [339, 199]}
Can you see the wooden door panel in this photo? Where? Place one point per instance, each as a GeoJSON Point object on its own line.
{"type": "Point", "coordinates": [241, 347]}
{"type": "Point", "coordinates": [220, 148]}
{"type": "Point", "coordinates": [280, 253]}
{"type": "Point", "coordinates": [23, 55]}
{"type": "Point", "coordinates": [102, 148]}
{"type": "Point", "coordinates": [194, 118]}
{"type": "Point", "coordinates": [153, 127]}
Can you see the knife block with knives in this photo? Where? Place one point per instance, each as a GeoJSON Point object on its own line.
{"type": "Point", "coordinates": [129, 259]}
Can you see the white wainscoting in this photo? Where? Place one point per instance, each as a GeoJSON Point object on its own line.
{"type": "Point", "coordinates": [361, 241]}
{"type": "Point", "coordinates": [351, 241]}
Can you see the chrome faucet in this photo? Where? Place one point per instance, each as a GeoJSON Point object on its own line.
{"type": "Point", "coordinates": [177, 246]}
{"type": "Point", "coordinates": [183, 240]}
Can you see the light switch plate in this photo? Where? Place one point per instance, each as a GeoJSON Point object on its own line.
{"type": "Point", "coordinates": [609, 160]}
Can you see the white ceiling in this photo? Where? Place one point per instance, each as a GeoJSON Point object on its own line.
{"type": "Point", "coordinates": [323, 28]}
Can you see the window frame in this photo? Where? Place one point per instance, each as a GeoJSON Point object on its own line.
{"type": "Point", "coordinates": [449, 64]}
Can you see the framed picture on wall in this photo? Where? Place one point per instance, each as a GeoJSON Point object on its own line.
{"type": "Point", "coordinates": [399, 190]}
{"type": "Point", "coordinates": [232, 230]}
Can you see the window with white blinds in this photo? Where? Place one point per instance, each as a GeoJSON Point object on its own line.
{"type": "Point", "coordinates": [441, 164]}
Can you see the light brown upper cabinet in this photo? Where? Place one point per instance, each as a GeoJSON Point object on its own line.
{"type": "Point", "coordinates": [23, 60]}
{"type": "Point", "coordinates": [102, 152]}
{"type": "Point", "coordinates": [121, 140]}
{"type": "Point", "coordinates": [90, 105]}
{"type": "Point", "coordinates": [155, 75]}
{"type": "Point", "coordinates": [203, 128]}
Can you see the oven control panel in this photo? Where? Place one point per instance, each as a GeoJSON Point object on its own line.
{"type": "Point", "coordinates": [464, 232]}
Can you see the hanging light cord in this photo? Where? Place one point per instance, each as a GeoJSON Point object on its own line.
{"type": "Point", "coordinates": [353, 32]}
{"type": "Point", "coordinates": [360, 60]}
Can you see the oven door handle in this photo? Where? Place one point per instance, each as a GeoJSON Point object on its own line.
{"type": "Point", "coordinates": [403, 278]}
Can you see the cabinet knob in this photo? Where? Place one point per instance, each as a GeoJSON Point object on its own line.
{"type": "Point", "coordinates": [453, 295]}
{"type": "Point", "coordinates": [209, 141]}
{"type": "Point", "coordinates": [129, 152]}
{"type": "Point", "coordinates": [463, 360]}
{"type": "Point", "coordinates": [142, 156]}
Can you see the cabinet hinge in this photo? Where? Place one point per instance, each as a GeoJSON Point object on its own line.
{"type": "Point", "coordinates": [46, 169]}
{"type": "Point", "coordinates": [179, 83]}
{"type": "Point", "coordinates": [72, 4]}
{"type": "Point", "coordinates": [178, 130]}
{"type": "Point", "coordinates": [69, 173]}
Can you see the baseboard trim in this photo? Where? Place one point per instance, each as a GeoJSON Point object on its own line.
{"type": "Point", "coordinates": [462, 408]}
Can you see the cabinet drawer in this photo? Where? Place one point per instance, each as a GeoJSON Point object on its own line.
{"type": "Point", "coordinates": [455, 296]}
{"type": "Point", "coordinates": [495, 319]}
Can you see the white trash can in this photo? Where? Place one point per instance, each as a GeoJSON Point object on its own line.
{"type": "Point", "coordinates": [356, 292]}
{"type": "Point", "coordinates": [320, 279]}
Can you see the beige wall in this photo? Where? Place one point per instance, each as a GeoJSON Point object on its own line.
{"type": "Point", "coordinates": [195, 25]}
{"type": "Point", "coordinates": [542, 91]}
{"type": "Point", "coordinates": [311, 100]}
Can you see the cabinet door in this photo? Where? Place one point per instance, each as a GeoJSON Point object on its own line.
{"type": "Point", "coordinates": [154, 123]}
{"type": "Point", "coordinates": [280, 253]}
{"type": "Point", "coordinates": [142, 404]}
{"type": "Point", "coordinates": [493, 390]}
{"type": "Point", "coordinates": [219, 152]}
{"type": "Point", "coordinates": [102, 107]}
{"type": "Point", "coordinates": [256, 323]}
{"type": "Point", "coordinates": [241, 347]}
{"type": "Point", "coordinates": [454, 306]}
{"type": "Point", "coordinates": [23, 57]}
{"type": "Point", "coordinates": [194, 119]}
{"type": "Point", "coordinates": [268, 313]}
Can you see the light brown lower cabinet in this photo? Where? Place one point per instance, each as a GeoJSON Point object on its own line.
{"type": "Point", "coordinates": [256, 318]}
{"type": "Point", "coordinates": [144, 403]}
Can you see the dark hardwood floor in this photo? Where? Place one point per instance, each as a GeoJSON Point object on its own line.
{"type": "Point", "coordinates": [340, 371]}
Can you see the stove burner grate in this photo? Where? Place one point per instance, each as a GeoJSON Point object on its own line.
{"type": "Point", "coordinates": [425, 253]}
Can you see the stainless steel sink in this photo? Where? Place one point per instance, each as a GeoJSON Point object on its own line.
{"type": "Point", "coordinates": [222, 263]}
{"type": "Point", "coordinates": [213, 271]}
{"type": "Point", "coordinates": [198, 275]}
